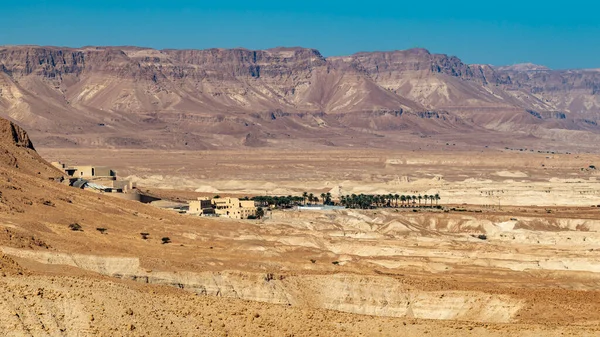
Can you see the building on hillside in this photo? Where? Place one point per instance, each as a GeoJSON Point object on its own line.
{"type": "Point", "coordinates": [226, 207]}
{"type": "Point", "coordinates": [86, 171]}
{"type": "Point", "coordinates": [100, 179]}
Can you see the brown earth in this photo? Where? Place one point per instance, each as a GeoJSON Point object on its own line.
{"type": "Point", "coordinates": [371, 272]}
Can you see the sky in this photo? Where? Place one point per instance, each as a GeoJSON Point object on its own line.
{"type": "Point", "coordinates": [557, 34]}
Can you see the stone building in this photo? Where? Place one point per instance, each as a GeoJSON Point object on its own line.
{"type": "Point", "coordinates": [226, 207]}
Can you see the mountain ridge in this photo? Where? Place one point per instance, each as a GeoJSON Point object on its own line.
{"type": "Point", "coordinates": [119, 92]}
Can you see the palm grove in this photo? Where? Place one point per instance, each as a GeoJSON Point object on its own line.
{"type": "Point", "coordinates": [360, 201]}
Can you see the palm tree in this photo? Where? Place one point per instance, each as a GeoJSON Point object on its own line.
{"type": "Point", "coordinates": [414, 199]}
{"type": "Point", "coordinates": [311, 198]}
{"type": "Point", "coordinates": [396, 197]}
{"type": "Point", "coordinates": [328, 196]}
{"type": "Point", "coordinates": [437, 197]}
{"type": "Point", "coordinates": [304, 196]}
{"type": "Point", "coordinates": [323, 198]}
{"type": "Point", "coordinates": [426, 197]}
{"type": "Point", "coordinates": [420, 197]}
{"type": "Point", "coordinates": [403, 199]}
{"type": "Point", "coordinates": [260, 212]}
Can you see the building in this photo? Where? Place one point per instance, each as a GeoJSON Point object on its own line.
{"type": "Point", "coordinates": [202, 206]}
{"type": "Point", "coordinates": [226, 207]}
{"type": "Point", "coordinates": [86, 171]}
{"type": "Point", "coordinates": [99, 179]}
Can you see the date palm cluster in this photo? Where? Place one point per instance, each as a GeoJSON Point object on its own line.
{"type": "Point", "coordinates": [362, 201]}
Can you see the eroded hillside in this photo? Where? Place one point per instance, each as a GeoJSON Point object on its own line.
{"type": "Point", "coordinates": [369, 272]}
{"type": "Point", "coordinates": [201, 99]}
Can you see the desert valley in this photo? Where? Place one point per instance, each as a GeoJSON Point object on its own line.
{"type": "Point", "coordinates": [513, 249]}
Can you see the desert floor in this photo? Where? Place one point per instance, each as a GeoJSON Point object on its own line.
{"type": "Point", "coordinates": [350, 272]}
{"type": "Point", "coordinates": [507, 177]}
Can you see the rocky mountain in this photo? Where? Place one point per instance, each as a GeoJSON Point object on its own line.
{"type": "Point", "coordinates": [524, 67]}
{"type": "Point", "coordinates": [17, 152]}
{"type": "Point", "coordinates": [140, 97]}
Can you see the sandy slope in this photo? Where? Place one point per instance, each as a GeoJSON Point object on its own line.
{"type": "Point", "coordinates": [372, 272]}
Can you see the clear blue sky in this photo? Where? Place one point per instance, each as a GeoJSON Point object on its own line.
{"type": "Point", "coordinates": [558, 34]}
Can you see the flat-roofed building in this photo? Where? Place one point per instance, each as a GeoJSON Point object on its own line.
{"type": "Point", "coordinates": [86, 171]}
{"type": "Point", "coordinates": [201, 206]}
{"type": "Point", "coordinates": [226, 207]}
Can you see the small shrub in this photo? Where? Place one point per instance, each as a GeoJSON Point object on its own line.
{"type": "Point", "coordinates": [482, 237]}
{"type": "Point", "coordinates": [101, 230]}
{"type": "Point", "coordinates": [75, 227]}
{"type": "Point", "coordinates": [252, 217]}
{"type": "Point", "coordinates": [336, 262]}
{"type": "Point", "coordinates": [145, 235]}
{"type": "Point", "coordinates": [48, 203]}
{"type": "Point", "coordinates": [313, 260]}
{"type": "Point", "coordinates": [269, 277]}
{"type": "Point", "coordinates": [165, 240]}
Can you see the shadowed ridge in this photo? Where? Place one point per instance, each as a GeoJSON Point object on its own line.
{"type": "Point", "coordinates": [17, 151]}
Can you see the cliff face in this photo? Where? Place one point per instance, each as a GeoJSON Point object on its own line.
{"type": "Point", "coordinates": [17, 151]}
{"type": "Point", "coordinates": [54, 91]}
{"type": "Point", "coordinates": [12, 135]}
{"type": "Point", "coordinates": [576, 92]}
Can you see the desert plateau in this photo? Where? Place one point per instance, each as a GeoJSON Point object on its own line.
{"type": "Point", "coordinates": [509, 246]}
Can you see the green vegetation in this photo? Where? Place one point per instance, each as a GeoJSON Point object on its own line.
{"type": "Point", "coordinates": [75, 227]}
{"type": "Point", "coordinates": [260, 212]}
{"type": "Point", "coordinates": [279, 201]}
{"type": "Point", "coordinates": [360, 201]}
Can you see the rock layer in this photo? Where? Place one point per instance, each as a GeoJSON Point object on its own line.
{"type": "Point", "coordinates": [139, 97]}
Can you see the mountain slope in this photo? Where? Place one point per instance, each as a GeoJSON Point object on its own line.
{"type": "Point", "coordinates": [198, 99]}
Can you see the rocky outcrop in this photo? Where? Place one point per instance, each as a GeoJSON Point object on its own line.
{"type": "Point", "coordinates": [17, 151]}
{"type": "Point", "coordinates": [13, 135]}
{"type": "Point", "coordinates": [368, 295]}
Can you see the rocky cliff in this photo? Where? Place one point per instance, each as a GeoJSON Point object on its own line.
{"type": "Point", "coordinates": [17, 151]}
{"type": "Point", "coordinates": [118, 96]}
